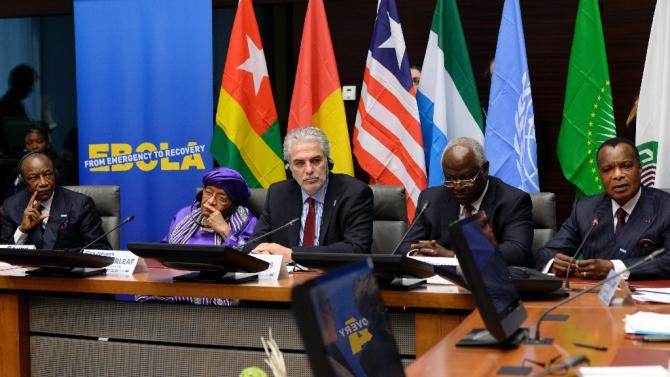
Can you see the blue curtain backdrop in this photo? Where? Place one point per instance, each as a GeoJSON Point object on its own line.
{"type": "Point", "coordinates": [144, 95]}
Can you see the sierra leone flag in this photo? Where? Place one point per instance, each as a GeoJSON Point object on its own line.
{"type": "Point", "coordinates": [448, 101]}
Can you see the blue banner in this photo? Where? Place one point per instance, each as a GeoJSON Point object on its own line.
{"type": "Point", "coordinates": [144, 97]}
{"type": "Point", "coordinates": [509, 140]}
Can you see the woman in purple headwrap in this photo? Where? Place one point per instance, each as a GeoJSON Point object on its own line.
{"type": "Point", "coordinates": [218, 216]}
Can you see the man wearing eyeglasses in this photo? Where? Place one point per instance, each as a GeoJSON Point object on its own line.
{"type": "Point", "coordinates": [48, 216]}
{"type": "Point", "coordinates": [469, 189]}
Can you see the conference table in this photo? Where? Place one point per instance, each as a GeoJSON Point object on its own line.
{"type": "Point", "coordinates": [589, 322]}
{"type": "Point", "coordinates": [77, 326]}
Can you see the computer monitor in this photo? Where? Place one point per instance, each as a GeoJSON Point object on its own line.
{"type": "Point", "coordinates": [392, 271]}
{"type": "Point", "coordinates": [343, 324]}
{"type": "Point", "coordinates": [490, 283]}
{"type": "Point", "coordinates": [211, 263]}
{"type": "Point", "coordinates": [56, 262]}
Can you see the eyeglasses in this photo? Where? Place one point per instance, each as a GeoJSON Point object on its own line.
{"type": "Point", "coordinates": [219, 198]}
{"type": "Point", "coordinates": [463, 182]}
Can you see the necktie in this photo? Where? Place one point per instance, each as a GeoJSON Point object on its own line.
{"type": "Point", "coordinates": [310, 226]}
{"type": "Point", "coordinates": [468, 209]}
{"type": "Point", "coordinates": [43, 223]}
{"type": "Point", "coordinates": [620, 221]}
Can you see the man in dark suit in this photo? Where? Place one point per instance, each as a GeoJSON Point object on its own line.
{"type": "Point", "coordinates": [48, 216]}
{"type": "Point", "coordinates": [628, 222]}
{"type": "Point", "coordinates": [335, 209]}
{"type": "Point", "coordinates": [468, 188]}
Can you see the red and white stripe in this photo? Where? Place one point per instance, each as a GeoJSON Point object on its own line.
{"type": "Point", "coordinates": [387, 135]}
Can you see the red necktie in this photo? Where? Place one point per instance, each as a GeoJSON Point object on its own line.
{"type": "Point", "coordinates": [620, 221]}
{"type": "Point", "coordinates": [310, 226]}
{"type": "Point", "coordinates": [468, 210]}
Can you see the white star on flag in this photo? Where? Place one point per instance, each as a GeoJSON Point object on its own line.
{"type": "Point", "coordinates": [255, 64]}
{"type": "Point", "coordinates": [395, 41]}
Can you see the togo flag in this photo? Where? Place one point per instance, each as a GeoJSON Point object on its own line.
{"type": "Point", "coordinates": [246, 136]}
{"type": "Point", "coordinates": [448, 101]}
{"type": "Point", "coordinates": [653, 121]}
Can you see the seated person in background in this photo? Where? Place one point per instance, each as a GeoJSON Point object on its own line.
{"type": "Point", "coordinates": [467, 189]}
{"type": "Point", "coordinates": [37, 140]}
{"type": "Point", "coordinates": [218, 216]}
{"type": "Point", "coordinates": [629, 222]}
{"type": "Point", "coordinates": [335, 209]}
{"type": "Point", "coordinates": [48, 216]}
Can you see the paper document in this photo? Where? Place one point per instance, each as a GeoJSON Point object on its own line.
{"type": "Point", "coordinates": [437, 261]}
{"type": "Point", "coordinates": [628, 371]}
{"type": "Point", "coordinates": [648, 323]}
{"type": "Point", "coordinates": [661, 295]}
{"type": "Point", "coordinates": [6, 266]}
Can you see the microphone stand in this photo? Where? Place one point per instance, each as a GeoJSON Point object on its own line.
{"type": "Point", "coordinates": [273, 231]}
{"type": "Point", "coordinates": [416, 218]}
{"type": "Point", "coordinates": [579, 250]}
{"type": "Point", "coordinates": [122, 223]}
{"type": "Point", "coordinates": [538, 340]}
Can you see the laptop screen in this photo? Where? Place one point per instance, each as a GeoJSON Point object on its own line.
{"type": "Point", "coordinates": [346, 310]}
{"type": "Point", "coordinates": [488, 279]}
{"type": "Point", "coordinates": [492, 268]}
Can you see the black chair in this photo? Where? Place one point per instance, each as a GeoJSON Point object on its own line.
{"type": "Point", "coordinates": [544, 218]}
{"type": "Point", "coordinates": [108, 205]}
{"type": "Point", "coordinates": [257, 201]}
{"type": "Point", "coordinates": [389, 215]}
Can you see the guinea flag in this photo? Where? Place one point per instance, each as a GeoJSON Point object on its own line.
{"type": "Point", "coordinates": [246, 136]}
{"type": "Point", "coordinates": [317, 96]}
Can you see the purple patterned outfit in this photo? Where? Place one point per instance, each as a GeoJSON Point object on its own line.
{"type": "Point", "coordinates": [186, 227]}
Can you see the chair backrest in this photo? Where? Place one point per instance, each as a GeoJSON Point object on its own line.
{"type": "Point", "coordinates": [107, 201]}
{"type": "Point", "coordinates": [257, 201]}
{"type": "Point", "coordinates": [389, 215]}
{"type": "Point", "coordinates": [544, 218]}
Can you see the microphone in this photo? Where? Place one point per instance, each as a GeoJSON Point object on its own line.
{"type": "Point", "coordinates": [579, 250]}
{"type": "Point", "coordinates": [416, 218]}
{"type": "Point", "coordinates": [125, 221]}
{"type": "Point", "coordinates": [273, 231]}
{"type": "Point", "coordinates": [647, 259]}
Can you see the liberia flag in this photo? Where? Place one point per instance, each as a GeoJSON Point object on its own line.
{"type": "Point", "coordinates": [246, 137]}
{"type": "Point", "coordinates": [387, 137]}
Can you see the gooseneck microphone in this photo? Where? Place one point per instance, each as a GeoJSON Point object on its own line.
{"type": "Point", "coordinates": [579, 250]}
{"type": "Point", "coordinates": [124, 222]}
{"type": "Point", "coordinates": [273, 231]}
{"type": "Point", "coordinates": [416, 218]}
{"type": "Point", "coordinates": [647, 259]}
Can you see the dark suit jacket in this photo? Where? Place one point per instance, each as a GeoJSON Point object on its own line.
{"type": "Point", "coordinates": [73, 222]}
{"type": "Point", "coordinates": [647, 229]}
{"type": "Point", "coordinates": [509, 211]}
{"type": "Point", "coordinates": [346, 224]}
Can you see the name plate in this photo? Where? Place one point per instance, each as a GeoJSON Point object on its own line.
{"type": "Point", "coordinates": [277, 268]}
{"type": "Point", "coordinates": [7, 266]}
{"type": "Point", "coordinates": [125, 262]}
{"type": "Point", "coordinates": [609, 289]}
{"type": "Point", "coordinates": [17, 246]}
